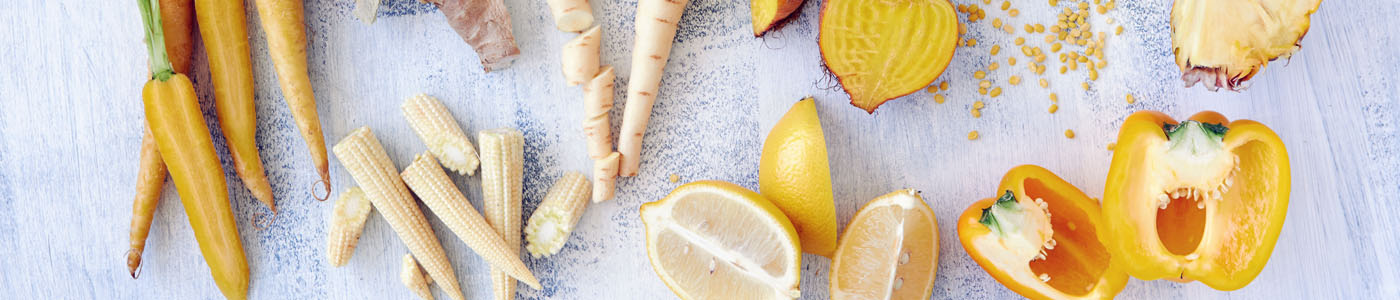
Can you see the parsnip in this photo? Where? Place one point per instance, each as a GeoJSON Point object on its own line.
{"type": "Point", "coordinates": [571, 15]}
{"type": "Point", "coordinates": [580, 61]}
{"type": "Point", "coordinates": [597, 109]}
{"type": "Point", "coordinates": [605, 177]}
{"type": "Point", "coordinates": [656, 29]}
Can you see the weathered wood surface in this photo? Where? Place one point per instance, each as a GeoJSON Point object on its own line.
{"type": "Point", "coordinates": [70, 123]}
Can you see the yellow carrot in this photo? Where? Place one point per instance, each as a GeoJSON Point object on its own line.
{"type": "Point", "coordinates": [177, 23]}
{"type": "Point", "coordinates": [286, 42]}
{"type": "Point", "coordinates": [149, 181]}
{"type": "Point", "coordinates": [176, 122]}
{"type": "Point", "coordinates": [221, 24]}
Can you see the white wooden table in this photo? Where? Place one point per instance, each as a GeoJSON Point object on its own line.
{"type": "Point", "coordinates": [70, 124]}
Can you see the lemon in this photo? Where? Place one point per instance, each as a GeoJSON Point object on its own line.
{"type": "Point", "coordinates": [889, 251]}
{"type": "Point", "coordinates": [717, 240]}
{"type": "Point", "coordinates": [793, 173]}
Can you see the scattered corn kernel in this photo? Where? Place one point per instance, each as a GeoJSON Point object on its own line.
{"type": "Point", "coordinates": [1111, 145]}
{"type": "Point", "coordinates": [1086, 85]}
{"type": "Point", "coordinates": [984, 84]}
{"type": "Point", "coordinates": [1101, 64]}
{"type": "Point", "coordinates": [1063, 69]}
{"type": "Point", "coordinates": [1069, 133]}
{"type": "Point", "coordinates": [1044, 83]}
{"type": "Point", "coordinates": [1008, 28]}
{"type": "Point", "coordinates": [1020, 41]}
{"type": "Point", "coordinates": [1054, 107]}
{"type": "Point", "coordinates": [996, 22]}
{"type": "Point", "coordinates": [1005, 5]}
{"type": "Point", "coordinates": [995, 49]}
{"type": "Point", "coordinates": [931, 89]}
{"type": "Point", "coordinates": [1130, 99]}
{"type": "Point", "coordinates": [1102, 9]}
{"type": "Point", "coordinates": [1093, 74]}
{"type": "Point", "coordinates": [1026, 50]}
{"type": "Point", "coordinates": [979, 74]}
{"type": "Point", "coordinates": [1030, 28]}
{"type": "Point", "coordinates": [1013, 12]}
{"type": "Point", "coordinates": [971, 42]}
{"type": "Point", "coordinates": [1054, 98]}
{"type": "Point", "coordinates": [993, 67]}
{"type": "Point", "coordinates": [978, 104]}
{"type": "Point", "coordinates": [674, 178]}
{"type": "Point", "coordinates": [996, 91]}
{"type": "Point", "coordinates": [982, 90]}
{"type": "Point", "coordinates": [1014, 80]}
{"type": "Point", "coordinates": [938, 99]}
{"type": "Point", "coordinates": [943, 86]}
{"type": "Point", "coordinates": [1039, 28]}
{"type": "Point", "coordinates": [1118, 31]}
{"type": "Point", "coordinates": [976, 113]}
{"type": "Point", "coordinates": [1011, 60]}
{"type": "Point", "coordinates": [972, 135]}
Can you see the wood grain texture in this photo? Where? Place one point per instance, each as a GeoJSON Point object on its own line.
{"type": "Point", "coordinates": [71, 121]}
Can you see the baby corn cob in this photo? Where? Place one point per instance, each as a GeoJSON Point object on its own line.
{"type": "Point", "coordinates": [597, 106]}
{"type": "Point", "coordinates": [364, 158]}
{"type": "Point", "coordinates": [605, 177]}
{"type": "Point", "coordinates": [444, 137]}
{"type": "Point", "coordinates": [347, 222]}
{"type": "Point", "coordinates": [427, 180]}
{"type": "Point", "coordinates": [503, 162]}
{"type": "Point", "coordinates": [413, 278]}
{"type": "Point", "coordinates": [549, 226]}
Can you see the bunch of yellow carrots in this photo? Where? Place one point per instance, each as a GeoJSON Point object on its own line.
{"type": "Point", "coordinates": [177, 139]}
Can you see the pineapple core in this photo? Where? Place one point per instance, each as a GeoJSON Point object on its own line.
{"type": "Point", "coordinates": [1222, 43]}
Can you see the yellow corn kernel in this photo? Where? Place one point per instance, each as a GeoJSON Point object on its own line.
{"type": "Point", "coordinates": [976, 113]}
{"type": "Point", "coordinates": [995, 91]}
{"type": "Point", "coordinates": [971, 42]}
{"type": "Point", "coordinates": [1039, 28]}
{"type": "Point", "coordinates": [995, 49]}
{"type": "Point", "coordinates": [1130, 99]}
{"type": "Point", "coordinates": [985, 84]}
{"type": "Point", "coordinates": [1011, 60]}
{"type": "Point", "coordinates": [931, 89]}
{"type": "Point", "coordinates": [1086, 85]}
{"type": "Point", "coordinates": [1014, 80]}
{"type": "Point", "coordinates": [943, 86]}
{"type": "Point", "coordinates": [982, 90]}
{"type": "Point", "coordinates": [427, 180]}
{"type": "Point", "coordinates": [978, 105]}
{"type": "Point", "coordinates": [364, 158]}
{"type": "Point", "coordinates": [1014, 12]}
{"type": "Point", "coordinates": [1069, 133]}
{"type": "Point", "coordinates": [1054, 98]}
{"type": "Point", "coordinates": [1101, 64]}
{"type": "Point", "coordinates": [1054, 107]}
{"type": "Point", "coordinates": [993, 67]}
{"type": "Point", "coordinates": [1063, 69]}
{"type": "Point", "coordinates": [996, 22]}
{"type": "Point", "coordinates": [1020, 41]}
{"type": "Point", "coordinates": [347, 222]}
{"type": "Point", "coordinates": [597, 108]}
{"type": "Point", "coordinates": [502, 167]}
{"type": "Point", "coordinates": [1030, 28]}
{"type": "Point", "coordinates": [552, 222]}
{"type": "Point", "coordinates": [605, 177]}
{"type": "Point", "coordinates": [1118, 31]}
{"type": "Point", "coordinates": [1008, 28]}
{"type": "Point", "coordinates": [979, 74]}
{"type": "Point", "coordinates": [972, 135]}
{"type": "Point", "coordinates": [938, 99]}
{"type": "Point", "coordinates": [412, 277]}
{"type": "Point", "coordinates": [1044, 83]}
{"type": "Point", "coordinates": [444, 137]}
{"type": "Point", "coordinates": [1005, 5]}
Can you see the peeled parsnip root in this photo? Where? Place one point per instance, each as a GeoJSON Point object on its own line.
{"type": "Point", "coordinates": [580, 59]}
{"type": "Point", "coordinates": [366, 10]}
{"type": "Point", "coordinates": [550, 225]}
{"type": "Point", "coordinates": [427, 180]}
{"type": "Point", "coordinates": [347, 222]}
{"type": "Point", "coordinates": [597, 109]}
{"type": "Point", "coordinates": [605, 177]}
{"type": "Point", "coordinates": [656, 29]}
{"type": "Point", "coordinates": [485, 25]}
{"type": "Point", "coordinates": [571, 15]}
{"type": "Point", "coordinates": [444, 137]}
{"type": "Point", "coordinates": [413, 278]}
{"type": "Point", "coordinates": [364, 158]}
{"type": "Point", "coordinates": [769, 13]}
{"type": "Point", "coordinates": [877, 60]}
{"type": "Point", "coordinates": [502, 168]}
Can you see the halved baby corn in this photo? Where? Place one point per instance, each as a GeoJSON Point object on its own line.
{"type": "Point", "coordinates": [364, 158]}
{"type": "Point", "coordinates": [444, 137]}
{"type": "Point", "coordinates": [605, 176]}
{"type": "Point", "coordinates": [597, 107]}
{"type": "Point", "coordinates": [502, 168]}
{"type": "Point", "coordinates": [347, 222]}
{"type": "Point", "coordinates": [427, 179]}
{"type": "Point", "coordinates": [413, 278]}
{"type": "Point", "coordinates": [580, 56]}
{"type": "Point", "coordinates": [552, 222]}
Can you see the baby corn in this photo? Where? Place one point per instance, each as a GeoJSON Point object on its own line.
{"type": "Point", "coordinates": [550, 225]}
{"type": "Point", "coordinates": [413, 278]}
{"type": "Point", "coordinates": [427, 180]}
{"type": "Point", "coordinates": [605, 177]}
{"type": "Point", "coordinates": [597, 106]}
{"type": "Point", "coordinates": [444, 137]}
{"type": "Point", "coordinates": [364, 158]}
{"type": "Point", "coordinates": [347, 221]}
{"type": "Point", "coordinates": [502, 165]}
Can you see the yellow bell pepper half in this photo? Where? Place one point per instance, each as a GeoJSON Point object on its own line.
{"type": "Point", "coordinates": [1039, 238]}
{"type": "Point", "coordinates": [1203, 199]}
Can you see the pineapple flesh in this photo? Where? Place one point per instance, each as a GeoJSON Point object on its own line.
{"type": "Point", "coordinates": [1222, 43]}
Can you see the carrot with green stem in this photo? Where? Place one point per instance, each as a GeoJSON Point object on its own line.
{"type": "Point", "coordinates": [177, 22]}
{"type": "Point", "coordinates": [222, 25]}
{"type": "Point", "coordinates": [176, 122]}
{"type": "Point", "coordinates": [656, 29]}
{"type": "Point", "coordinates": [286, 41]}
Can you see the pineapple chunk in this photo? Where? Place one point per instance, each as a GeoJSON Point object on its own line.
{"type": "Point", "coordinates": [1222, 43]}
